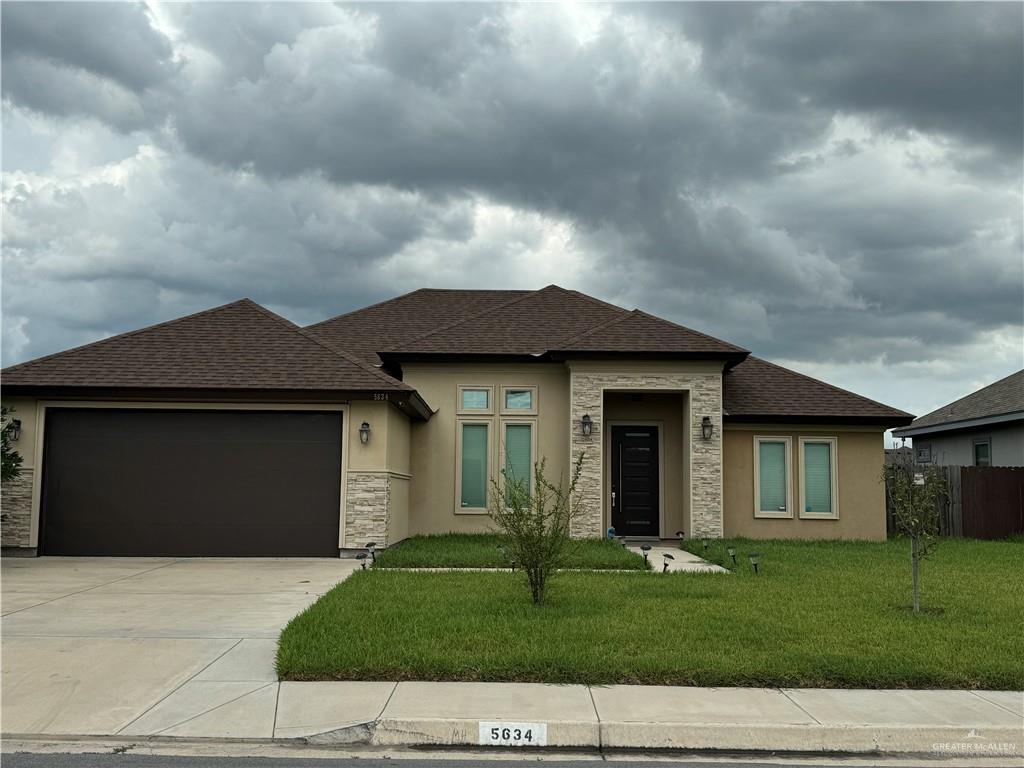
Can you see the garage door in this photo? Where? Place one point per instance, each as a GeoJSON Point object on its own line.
{"type": "Point", "coordinates": [191, 483]}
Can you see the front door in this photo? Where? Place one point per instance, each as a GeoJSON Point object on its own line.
{"type": "Point", "coordinates": [634, 480]}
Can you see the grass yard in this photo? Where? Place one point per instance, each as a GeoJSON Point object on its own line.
{"type": "Point", "coordinates": [819, 614]}
{"type": "Point", "coordinates": [469, 550]}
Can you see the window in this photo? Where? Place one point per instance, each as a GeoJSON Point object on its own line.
{"type": "Point", "coordinates": [923, 454]}
{"type": "Point", "coordinates": [818, 489]}
{"type": "Point", "coordinates": [983, 453]}
{"type": "Point", "coordinates": [474, 438]}
{"type": "Point", "coordinates": [772, 482]}
{"type": "Point", "coordinates": [475, 400]}
{"type": "Point", "coordinates": [518, 448]}
{"type": "Point", "coordinates": [519, 400]}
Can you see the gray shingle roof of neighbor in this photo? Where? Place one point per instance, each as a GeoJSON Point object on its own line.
{"type": "Point", "coordinates": [1002, 397]}
{"type": "Point", "coordinates": [240, 345]}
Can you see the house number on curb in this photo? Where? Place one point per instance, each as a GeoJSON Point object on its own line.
{"type": "Point", "coordinates": [514, 734]}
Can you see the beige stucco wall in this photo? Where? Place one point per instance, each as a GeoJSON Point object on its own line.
{"type": "Point", "coordinates": [667, 410]}
{"type": "Point", "coordinates": [702, 384]}
{"type": "Point", "coordinates": [432, 497]}
{"type": "Point", "coordinates": [860, 457]}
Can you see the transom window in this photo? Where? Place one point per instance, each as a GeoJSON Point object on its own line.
{"type": "Point", "coordinates": [519, 400]}
{"type": "Point", "coordinates": [772, 483]}
{"type": "Point", "coordinates": [475, 399]}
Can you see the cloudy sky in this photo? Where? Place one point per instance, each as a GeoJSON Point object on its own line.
{"type": "Point", "coordinates": [837, 187]}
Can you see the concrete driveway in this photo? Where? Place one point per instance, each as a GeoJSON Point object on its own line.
{"type": "Point", "coordinates": [127, 645]}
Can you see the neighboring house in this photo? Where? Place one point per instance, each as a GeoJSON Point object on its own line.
{"type": "Point", "coordinates": [983, 429]}
{"type": "Point", "coordinates": [901, 455]}
{"type": "Point", "coordinates": [235, 432]}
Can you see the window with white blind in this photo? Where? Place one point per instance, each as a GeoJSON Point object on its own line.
{"type": "Point", "coordinates": [772, 478]}
{"type": "Point", "coordinates": [818, 486]}
{"type": "Point", "coordinates": [473, 466]}
{"type": "Point", "coordinates": [517, 449]}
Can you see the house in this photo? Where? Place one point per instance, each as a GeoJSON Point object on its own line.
{"type": "Point", "coordinates": [982, 429]}
{"type": "Point", "coordinates": [236, 432]}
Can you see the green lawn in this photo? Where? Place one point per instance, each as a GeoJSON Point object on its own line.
{"type": "Point", "coordinates": [467, 550]}
{"type": "Point", "coordinates": [818, 614]}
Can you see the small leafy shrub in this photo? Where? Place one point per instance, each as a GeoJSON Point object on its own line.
{"type": "Point", "coordinates": [536, 522]}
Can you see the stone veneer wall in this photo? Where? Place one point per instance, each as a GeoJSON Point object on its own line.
{"type": "Point", "coordinates": [705, 395]}
{"type": "Point", "coordinates": [367, 497]}
{"type": "Point", "coordinates": [16, 511]}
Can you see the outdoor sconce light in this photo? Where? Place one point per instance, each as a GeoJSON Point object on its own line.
{"type": "Point", "coordinates": [586, 424]}
{"type": "Point", "coordinates": [361, 557]}
{"type": "Point", "coordinates": [667, 557]}
{"type": "Point", "coordinates": [364, 432]}
{"type": "Point", "coordinates": [706, 427]}
{"type": "Point", "coordinates": [15, 430]}
{"type": "Point", "coordinates": [645, 548]}
{"type": "Point", "coordinates": [755, 558]}
{"type": "Point", "coordinates": [370, 547]}
{"type": "Point", "coordinates": [732, 554]}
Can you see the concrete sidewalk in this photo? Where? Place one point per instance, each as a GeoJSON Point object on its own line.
{"type": "Point", "coordinates": [984, 723]}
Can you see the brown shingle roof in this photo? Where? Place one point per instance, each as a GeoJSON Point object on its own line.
{"type": "Point", "coordinates": [524, 325]}
{"type": "Point", "coordinates": [638, 331]}
{"type": "Point", "coordinates": [387, 324]}
{"type": "Point", "coordinates": [237, 346]}
{"type": "Point", "coordinates": [999, 398]}
{"type": "Point", "coordinates": [761, 391]}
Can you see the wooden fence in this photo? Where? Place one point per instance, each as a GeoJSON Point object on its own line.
{"type": "Point", "coordinates": [980, 503]}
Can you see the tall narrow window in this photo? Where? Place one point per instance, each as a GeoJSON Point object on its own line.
{"type": "Point", "coordinates": [819, 477]}
{"type": "Point", "coordinates": [519, 454]}
{"type": "Point", "coordinates": [771, 473]}
{"type": "Point", "coordinates": [983, 454]}
{"type": "Point", "coordinates": [473, 467]}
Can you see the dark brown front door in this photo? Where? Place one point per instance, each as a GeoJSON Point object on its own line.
{"type": "Point", "coordinates": [191, 483]}
{"type": "Point", "coordinates": [634, 480]}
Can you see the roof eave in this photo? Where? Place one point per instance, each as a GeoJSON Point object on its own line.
{"type": "Point", "coordinates": [956, 426]}
{"type": "Point", "coordinates": [837, 418]}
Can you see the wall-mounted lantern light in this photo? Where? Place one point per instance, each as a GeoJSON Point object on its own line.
{"type": "Point", "coordinates": [706, 427]}
{"type": "Point", "coordinates": [15, 430]}
{"type": "Point", "coordinates": [586, 424]}
{"type": "Point", "coordinates": [364, 432]}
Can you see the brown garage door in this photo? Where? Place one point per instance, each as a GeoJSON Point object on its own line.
{"type": "Point", "coordinates": [191, 483]}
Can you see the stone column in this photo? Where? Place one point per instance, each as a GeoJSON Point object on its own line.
{"type": "Point", "coordinates": [16, 511]}
{"type": "Point", "coordinates": [367, 495]}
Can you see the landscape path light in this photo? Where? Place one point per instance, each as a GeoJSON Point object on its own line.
{"type": "Point", "coordinates": [755, 559]}
{"type": "Point", "coordinates": [732, 554]}
{"type": "Point", "coordinates": [645, 548]}
{"type": "Point", "coordinates": [361, 557]}
{"type": "Point", "coordinates": [667, 557]}
{"type": "Point", "coordinates": [371, 547]}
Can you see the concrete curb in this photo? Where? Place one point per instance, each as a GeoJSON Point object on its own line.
{"type": "Point", "coordinates": [938, 741]}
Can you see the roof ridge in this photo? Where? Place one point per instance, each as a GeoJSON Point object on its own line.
{"type": "Point", "coordinates": [370, 306]}
{"type": "Point", "coordinates": [594, 299]}
{"type": "Point", "coordinates": [969, 395]}
{"type": "Point", "coordinates": [126, 334]}
{"type": "Point", "coordinates": [692, 330]}
{"type": "Point", "coordinates": [826, 384]}
{"type": "Point", "coordinates": [474, 316]}
{"type": "Point", "coordinates": [626, 314]}
{"type": "Point", "coordinates": [390, 380]}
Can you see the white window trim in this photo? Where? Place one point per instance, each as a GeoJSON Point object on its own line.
{"type": "Point", "coordinates": [532, 411]}
{"type": "Point", "coordinates": [532, 423]}
{"type": "Point", "coordinates": [834, 442]}
{"type": "Point", "coordinates": [489, 423]}
{"type": "Point", "coordinates": [776, 514]}
{"type": "Point", "coordinates": [974, 451]}
{"type": "Point", "coordinates": [488, 411]}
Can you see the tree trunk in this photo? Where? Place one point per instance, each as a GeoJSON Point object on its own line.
{"type": "Point", "coordinates": [915, 561]}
